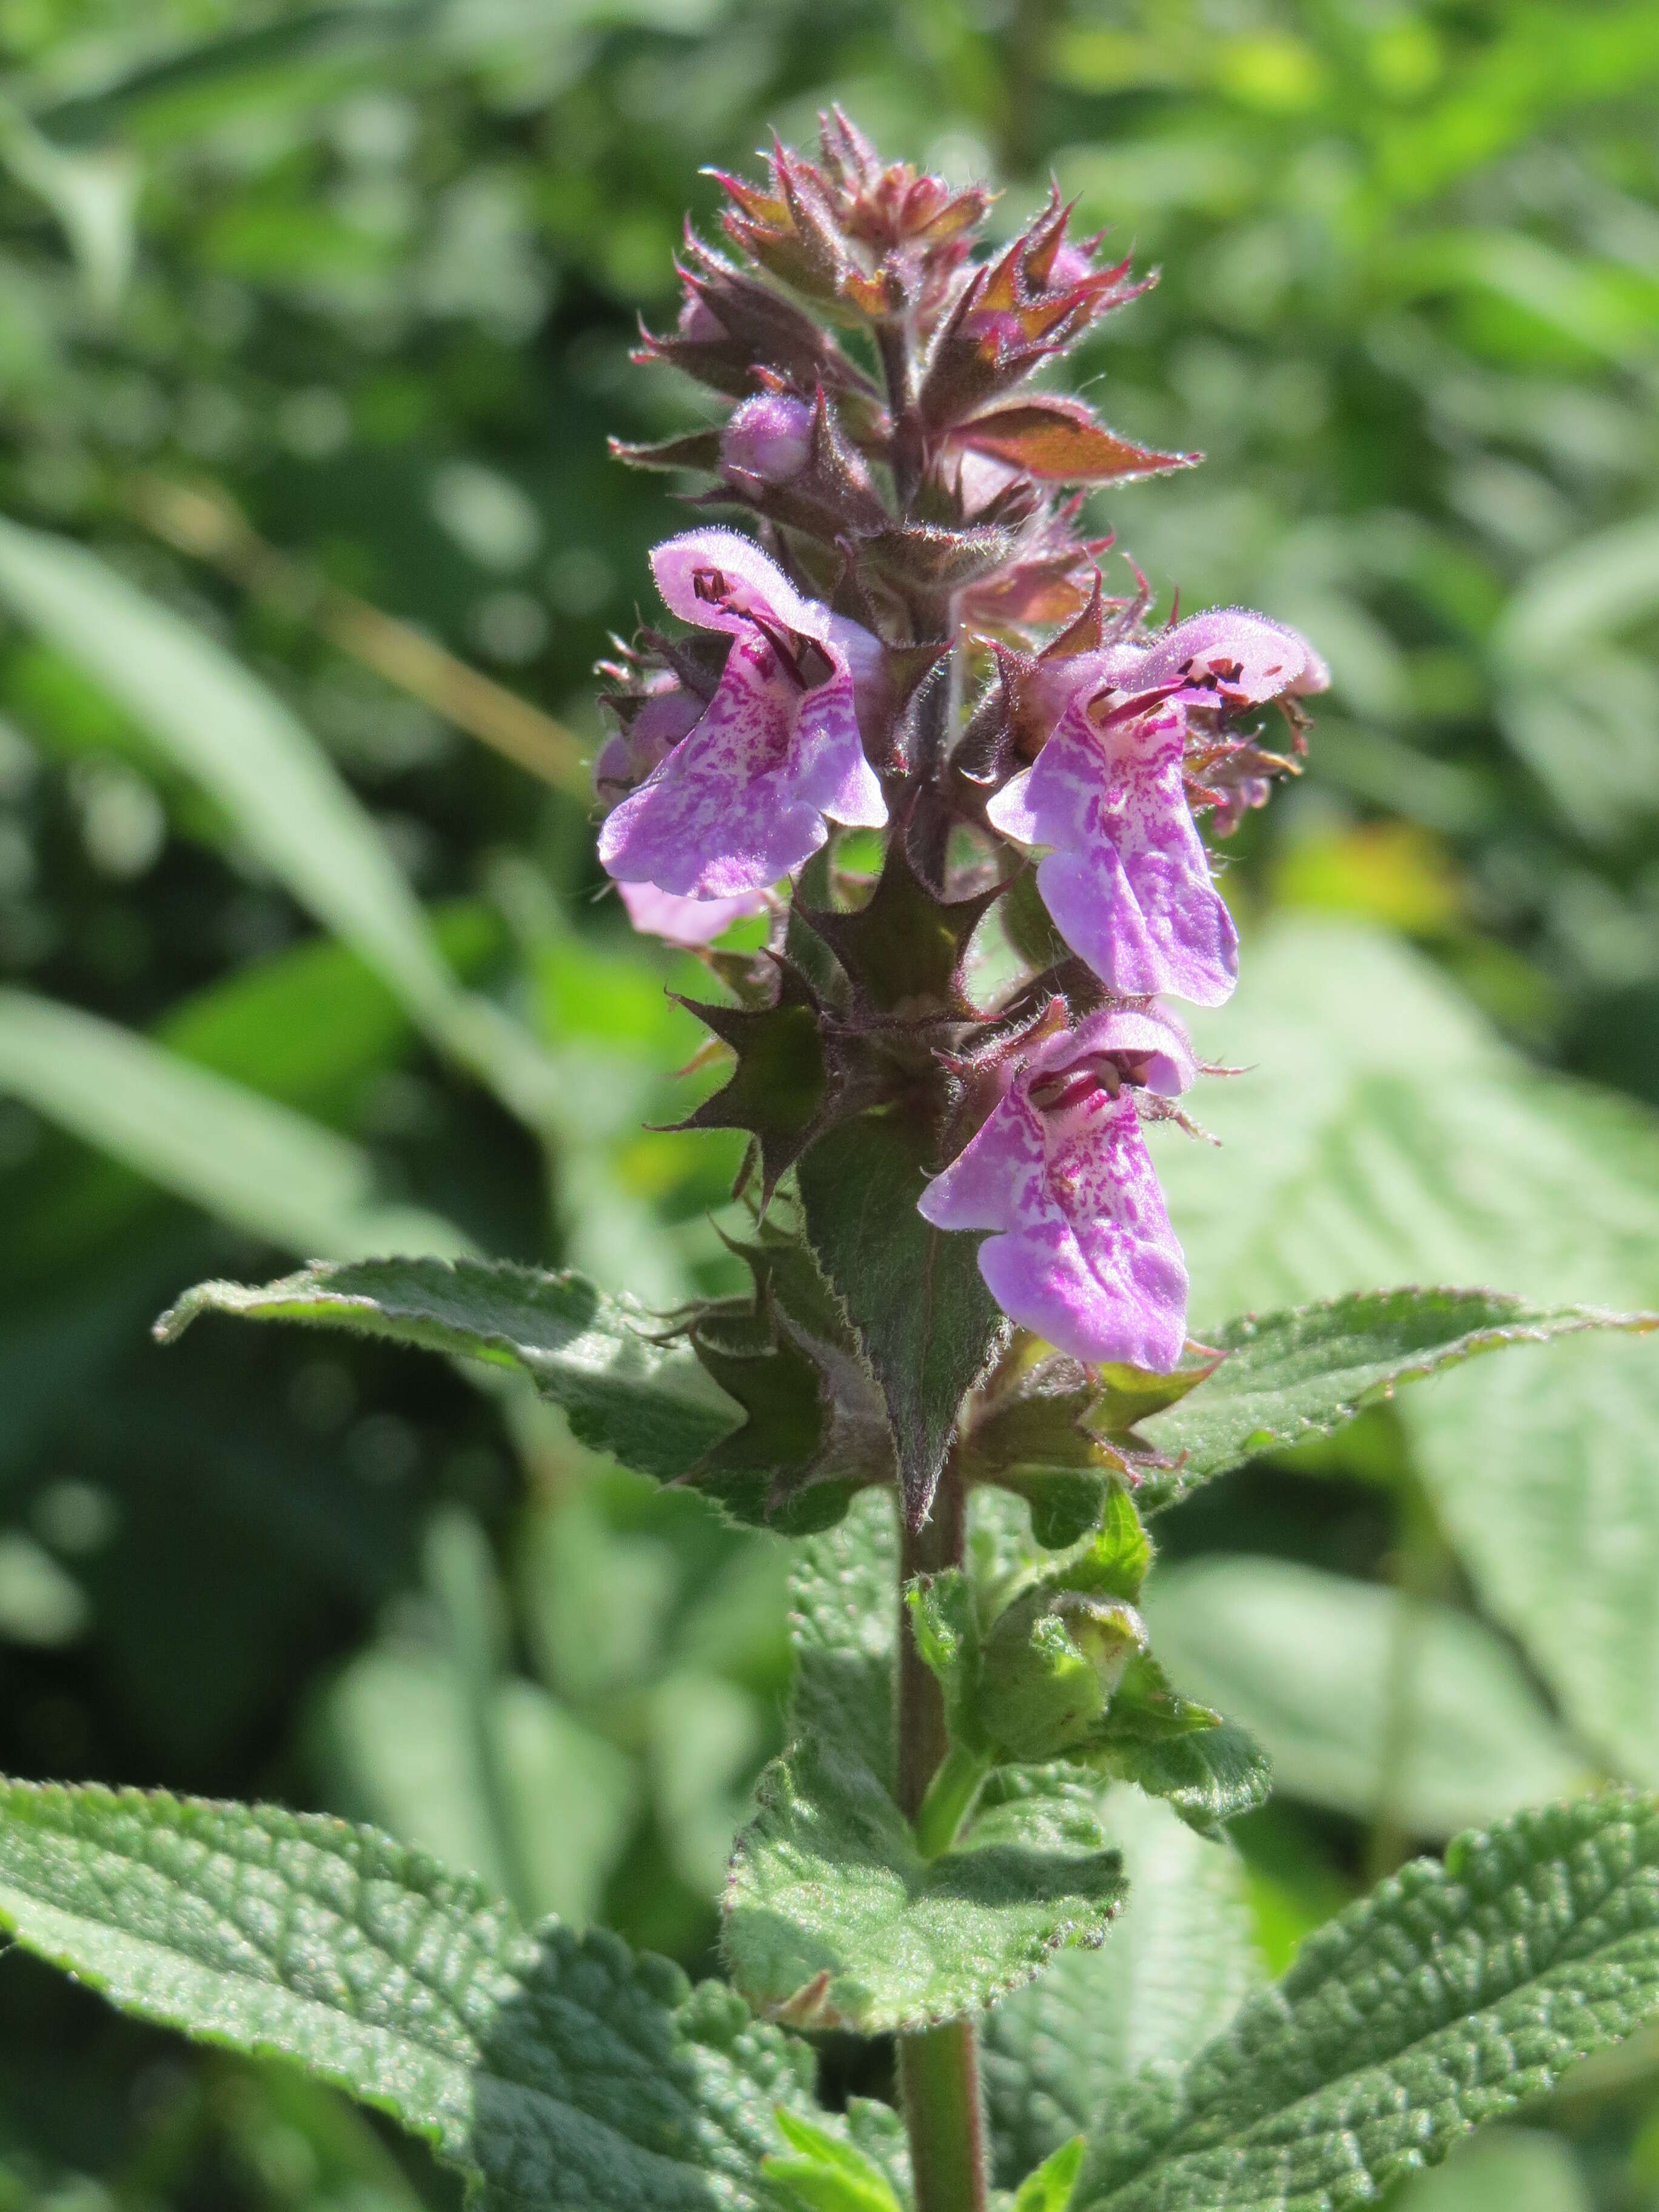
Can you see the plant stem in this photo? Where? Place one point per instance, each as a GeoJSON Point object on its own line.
{"type": "Point", "coordinates": [938, 2087]}
{"type": "Point", "coordinates": [938, 2067]}
{"type": "Point", "coordinates": [950, 1794]}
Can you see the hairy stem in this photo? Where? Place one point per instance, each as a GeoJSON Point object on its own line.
{"type": "Point", "coordinates": [938, 2067]}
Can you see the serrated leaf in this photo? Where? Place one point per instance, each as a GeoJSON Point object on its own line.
{"type": "Point", "coordinates": [1060, 2053]}
{"type": "Point", "coordinates": [244, 1159]}
{"type": "Point", "coordinates": [1291, 1376]}
{"type": "Point", "coordinates": [550, 2068]}
{"type": "Point", "coordinates": [832, 1917]}
{"type": "Point", "coordinates": [1207, 1775]}
{"type": "Point", "coordinates": [903, 948]}
{"type": "Point", "coordinates": [1317, 1666]}
{"type": "Point", "coordinates": [647, 1405]}
{"type": "Point", "coordinates": [926, 1323]}
{"type": "Point", "coordinates": [781, 1088]}
{"type": "Point", "coordinates": [1448, 1998]}
{"type": "Point", "coordinates": [815, 1430]}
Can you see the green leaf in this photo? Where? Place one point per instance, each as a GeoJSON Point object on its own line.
{"type": "Point", "coordinates": [648, 1406]}
{"type": "Point", "coordinates": [1542, 1472]}
{"type": "Point", "coordinates": [815, 1429]}
{"type": "Point", "coordinates": [1049, 2189]}
{"type": "Point", "coordinates": [826, 2174]}
{"type": "Point", "coordinates": [241, 1157]}
{"type": "Point", "coordinates": [1208, 1771]}
{"type": "Point", "coordinates": [780, 1090]}
{"type": "Point", "coordinates": [1180, 1961]}
{"type": "Point", "coordinates": [903, 948]}
{"type": "Point", "coordinates": [1448, 1998]}
{"type": "Point", "coordinates": [1303, 1373]}
{"type": "Point", "coordinates": [554, 2069]}
{"type": "Point", "coordinates": [927, 1324]}
{"type": "Point", "coordinates": [832, 1917]}
{"type": "Point", "coordinates": [1360, 1695]}
{"type": "Point", "coordinates": [1389, 1137]}
{"type": "Point", "coordinates": [287, 804]}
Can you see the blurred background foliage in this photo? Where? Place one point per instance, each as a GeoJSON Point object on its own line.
{"type": "Point", "coordinates": [313, 325]}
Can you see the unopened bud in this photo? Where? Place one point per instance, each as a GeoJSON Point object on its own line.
{"type": "Point", "coordinates": [769, 436]}
{"type": "Point", "coordinates": [698, 322]}
{"type": "Point", "coordinates": [1052, 1663]}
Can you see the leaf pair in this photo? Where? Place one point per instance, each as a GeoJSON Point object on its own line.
{"type": "Point", "coordinates": [1052, 1436]}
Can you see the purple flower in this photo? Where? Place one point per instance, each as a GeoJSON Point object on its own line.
{"type": "Point", "coordinates": [746, 796]}
{"type": "Point", "coordinates": [769, 436]}
{"type": "Point", "coordinates": [1084, 1256]}
{"type": "Point", "coordinates": [1127, 879]}
{"type": "Point", "coordinates": [1226, 658]}
{"type": "Point", "coordinates": [685, 920]}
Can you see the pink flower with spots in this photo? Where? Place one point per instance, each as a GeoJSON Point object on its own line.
{"type": "Point", "coordinates": [1083, 1254]}
{"type": "Point", "coordinates": [747, 794]}
{"type": "Point", "coordinates": [1126, 878]}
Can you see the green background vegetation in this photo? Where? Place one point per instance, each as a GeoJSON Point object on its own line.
{"type": "Point", "coordinates": [311, 316]}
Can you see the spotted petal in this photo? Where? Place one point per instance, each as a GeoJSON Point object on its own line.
{"type": "Point", "coordinates": [1126, 881]}
{"type": "Point", "coordinates": [743, 799]}
{"type": "Point", "coordinates": [1228, 653]}
{"type": "Point", "coordinates": [1083, 1254]}
{"type": "Point", "coordinates": [756, 584]}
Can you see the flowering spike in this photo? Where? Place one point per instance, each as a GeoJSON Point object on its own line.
{"type": "Point", "coordinates": [919, 640]}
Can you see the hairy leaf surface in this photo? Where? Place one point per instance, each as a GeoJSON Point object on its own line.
{"type": "Point", "coordinates": [1448, 1998]}
{"type": "Point", "coordinates": [832, 1916]}
{"type": "Point", "coordinates": [550, 2068]}
{"type": "Point", "coordinates": [913, 1294]}
{"type": "Point", "coordinates": [648, 1406]}
{"type": "Point", "coordinates": [1304, 1372]}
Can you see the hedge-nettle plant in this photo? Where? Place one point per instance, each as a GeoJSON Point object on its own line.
{"type": "Point", "coordinates": [902, 710]}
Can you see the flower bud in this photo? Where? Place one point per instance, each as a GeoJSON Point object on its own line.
{"type": "Point", "coordinates": [769, 436]}
{"type": "Point", "coordinates": [667, 712]}
{"type": "Point", "coordinates": [1053, 1663]}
